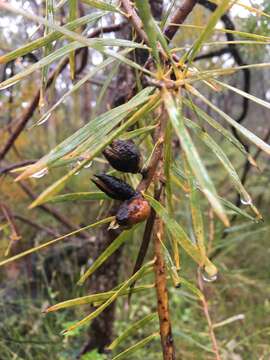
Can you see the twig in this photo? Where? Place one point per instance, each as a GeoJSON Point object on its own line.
{"type": "Point", "coordinates": [134, 18]}
{"type": "Point", "coordinates": [212, 54]}
{"type": "Point", "coordinates": [30, 222]}
{"type": "Point", "coordinates": [8, 168]}
{"type": "Point", "coordinates": [208, 318]}
{"type": "Point", "coordinates": [150, 172]}
{"type": "Point", "coordinates": [10, 219]}
{"type": "Point", "coordinates": [53, 212]}
{"type": "Point", "coordinates": [147, 235]}
{"type": "Point", "coordinates": [179, 17]}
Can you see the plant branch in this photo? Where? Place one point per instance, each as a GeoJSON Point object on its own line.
{"type": "Point", "coordinates": [208, 318]}
{"type": "Point", "coordinates": [162, 293]}
{"type": "Point", "coordinates": [11, 221]}
{"type": "Point", "coordinates": [135, 19]}
{"type": "Point", "coordinates": [179, 17]}
{"type": "Point", "coordinates": [51, 211]}
{"type": "Point", "coordinates": [32, 223]}
{"type": "Point", "coordinates": [10, 167]}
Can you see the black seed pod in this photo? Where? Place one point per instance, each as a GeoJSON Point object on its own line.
{"type": "Point", "coordinates": [114, 187]}
{"type": "Point", "coordinates": [123, 155]}
{"type": "Point", "coordinates": [133, 211]}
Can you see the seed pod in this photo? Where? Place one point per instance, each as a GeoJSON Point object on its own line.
{"type": "Point", "coordinates": [133, 211]}
{"type": "Point", "coordinates": [114, 187]}
{"type": "Point", "coordinates": [124, 155]}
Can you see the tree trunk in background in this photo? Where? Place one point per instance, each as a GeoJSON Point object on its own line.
{"type": "Point", "coordinates": [104, 279]}
{"type": "Point", "coordinates": [100, 333]}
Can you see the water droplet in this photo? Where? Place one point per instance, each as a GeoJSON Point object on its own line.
{"type": "Point", "coordinates": [113, 225]}
{"type": "Point", "coordinates": [44, 119]}
{"type": "Point", "coordinates": [78, 162]}
{"type": "Point", "coordinates": [39, 174]}
{"type": "Point", "coordinates": [208, 278]}
{"type": "Point", "coordinates": [246, 202]}
{"type": "Point", "coordinates": [87, 165]}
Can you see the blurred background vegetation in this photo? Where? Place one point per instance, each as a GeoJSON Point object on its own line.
{"type": "Point", "coordinates": [239, 301]}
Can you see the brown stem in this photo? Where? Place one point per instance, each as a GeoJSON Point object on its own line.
{"type": "Point", "coordinates": [179, 17]}
{"type": "Point", "coordinates": [147, 235]}
{"type": "Point", "coordinates": [8, 168]}
{"type": "Point", "coordinates": [32, 223]}
{"type": "Point", "coordinates": [135, 19]}
{"type": "Point", "coordinates": [162, 294]}
{"type": "Point", "coordinates": [208, 318]}
{"type": "Point", "coordinates": [53, 212]}
{"type": "Point", "coordinates": [166, 337]}
{"type": "Point", "coordinates": [11, 221]}
{"type": "Point", "coordinates": [151, 171]}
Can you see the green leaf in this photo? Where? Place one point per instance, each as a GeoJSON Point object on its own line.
{"type": "Point", "coordinates": [94, 132]}
{"type": "Point", "coordinates": [72, 15]}
{"type": "Point", "coordinates": [245, 132]}
{"type": "Point", "coordinates": [193, 157]}
{"type": "Point", "coordinates": [124, 236]}
{"type": "Point", "coordinates": [98, 4]}
{"type": "Point", "coordinates": [55, 35]}
{"type": "Point", "coordinates": [132, 329]}
{"type": "Point", "coordinates": [138, 132]}
{"type": "Point", "coordinates": [216, 149]}
{"type": "Point", "coordinates": [180, 176]}
{"type": "Point", "coordinates": [74, 88]}
{"type": "Point", "coordinates": [93, 147]}
{"type": "Point", "coordinates": [79, 196]}
{"type": "Point", "coordinates": [42, 246]}
{"type": "Point", "coordinates": [196, 213]}
{"type": "Point", "coordinates": [192, 288]}
{"type": "Point", "coordinates": [101, 308]}
{"type": "Point", "coordinates": [94, 298]}
{"type": "Point", "coordinates": [96, 43]}
{"type": "Point", "coordinates": [126, 353]}
{"type": "Point", "coordinates": [47, 50]}
{"type": "Point", "coordinates": [181, 236]}
{"type": "Point", "coordinates": [215, 125]}
{"type": "Point", "coordinates": [81, 40]}
{"type": "Point", "coordinates": [222, 7]}
{"type": "Point", "coordinates": [105, 86]}
{"type": "Point", "coordinates": [40, 64]}
{"type": "Point", "coordinates": [148, 24]}
{"type": "Point", "coordinates": [245, 94]}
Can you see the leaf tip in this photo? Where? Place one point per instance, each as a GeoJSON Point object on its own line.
{"type": "Point", "coordinates": [33, 205]}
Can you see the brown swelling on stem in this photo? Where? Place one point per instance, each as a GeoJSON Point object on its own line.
{"type": "Point", "coordinates": [124, 155]}
{"type": "Point", "coordinates": [115, 188]}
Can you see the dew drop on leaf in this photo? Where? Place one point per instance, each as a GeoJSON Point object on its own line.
{"type": "Point", "coordinates": [208, 278]}
{"type": "Point", "coordinates": [43, 120]}
{"type": "Point", "coordinates": [87, 165]}
{"type": "Point", "coordinates": [39, 174]}
{"type": "Point", "coordinates": [246, 202]}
